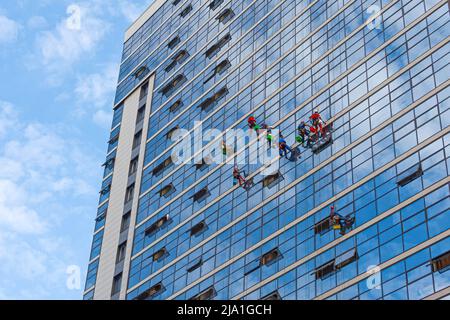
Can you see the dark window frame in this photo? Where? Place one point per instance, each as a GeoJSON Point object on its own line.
{"type": "Point", "coordinates": [194, 265]}
{"type": "Point", "coordinates": [325, 270]}
{"type": "Point", "coordinates": [160, 254]}
{"type": "Point", "coordinates": [218, 70]}
{"type": "Point", "coordinates": [198, 229]}
{"type": "Point", "coordinates": [174, 42]}
{"type": "Point", "coordinates": [126, 220]}
{"type": "Point", "coordinates": [129, 193]}
{"type": "Point", "coordinates": [134, 164]}
{"type": "Point", "coordinates": [158, 225]}
{"type": "Point", "coordinates": [273, 296]}
{"type": "Point", "coordinates": [167, 191]}
{"type": "Point", "coordinates": [101, 216]}
{"type": "Point", "coordinates": [271, 257]}
{"type": "Point", "coordinates": [226, 15]}
{"type": "Point", "coordinates": [441, 263]}
{"type": "Point", "coordinates": [114, 138]}
{"type": "Point", "coordinates": [215, 4]}
{"type": "Point", "coordinates": [141, 114]}
{"type": "Point", "coordinates": [271, 180]}
{"type": "Point", "coordinates": [210, 102]}
{"type": "Point", "coordinates": [144, 91]}
{"type": "Point", "coordinates": [252, 266]}
{"type": "Point", "coordinates": [201, 195]}
{"type": "Point", "coordinates": [329, 268]}
{"type": "Point", "coordinates": [409, 175]}
{"type": "Point", "coordinates": [106, 189]}
{"type": "Point", "coordinates": [215, 48]}
{"type": "Point", "coordinates": [158, 170]}
{"type": "Point", "coordinates": [186, 11]}
{"type": "Point", "coordinates": [173, 85]}
{"type": "Point", "coordinates": [137, 140]}
{"type": "Point", "coordinates": [152, 292]}
{"type": "Point", "coordinates": [346, 262]}
{"type": "Point", "coordinates": [109, 164]}
{"type": "Point", "coordinates": [170, 66]}
{"type": "Point", "coordinates": [207, 294]}
{"type": "Point", "coordinates": [170, 133]}
{"type": "Point", "coordinates": [322, 226]}
{"type": "Point", "coordinates": [117, 284]}
{"type": "Point", "coordinates": [141, 72]}
{"type": "Point", "coordinates": [121, 252]}
{"type": "Point", "coordinates": [176, 106]}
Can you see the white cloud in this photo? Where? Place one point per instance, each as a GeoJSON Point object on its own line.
{"type": "Point", "coordinates": [131, 10]}
{"type": "Point", "coordinates": [14, 216]}
{"type": "Point", "coordinates": [48, 180]}
{"type": "Point", "coordinates": [103, 119]}
{"type": "Point", "coordinates": [33, 269]}
{"type": "Point", "coordinates": [97, 88]}
{"type": "Point", "coordinates": [37, 22]}
{"type": "Point", "coordinates": [71, 39]}
{"type": "Point", "coordinates": [43, 174]}
{"type": "Point", "coordinates": [8, 118]}
{"type": "Point", "coordinates": [95, 95]}
{"type": "Point", "coordinates": [10, 169]}
{"type": "Point", "coordinates": [58, 49]}
{"type": "Point", "coordinates": [9, 30]}
{"type": "Point", "coordinates": [36, 163]}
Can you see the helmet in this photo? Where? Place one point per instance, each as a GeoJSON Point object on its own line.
{"type": "Point", "coordinates": [251, 119]}
{"type": "Point", "coordinates": [316, 111]}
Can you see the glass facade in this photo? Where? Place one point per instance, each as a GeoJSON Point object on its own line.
{"type": "Point", "coordinates": [376, 70]}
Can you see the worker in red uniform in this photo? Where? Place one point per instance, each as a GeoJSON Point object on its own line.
{"type": "Point", "coordinates": [253, 125]}
{"type": "Point", "coordinates": [317, 123]}
{"type": "Point", "coordinates": [238, 178]}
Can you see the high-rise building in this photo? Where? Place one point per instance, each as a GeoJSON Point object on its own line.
{"type": "Point", "coordinates": [362, 214]}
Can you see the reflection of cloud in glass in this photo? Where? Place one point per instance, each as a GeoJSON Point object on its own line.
{"type": "Point", "coordinates": [421, 288]}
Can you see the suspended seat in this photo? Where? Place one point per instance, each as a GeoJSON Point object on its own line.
{"type": "Point", "coordinates": [321, 143]}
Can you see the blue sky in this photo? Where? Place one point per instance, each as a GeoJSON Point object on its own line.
{"type": "Point", "coordinates": [56, 92]}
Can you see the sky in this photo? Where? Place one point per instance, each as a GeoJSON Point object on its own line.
{"type": "Point", "coordinates": [59, 64]}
